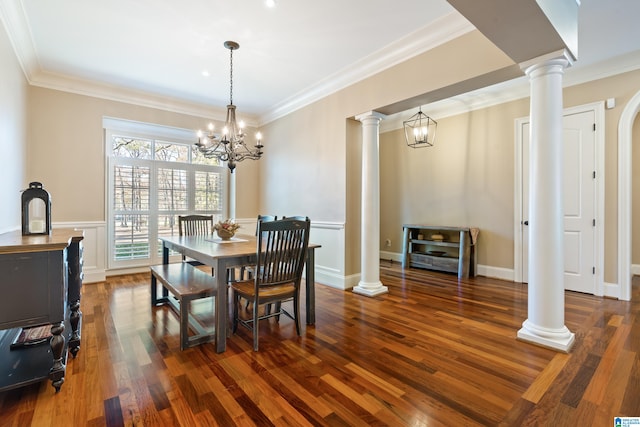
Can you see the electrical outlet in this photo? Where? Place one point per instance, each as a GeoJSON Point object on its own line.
{"type": "Point", "coordinates": [388, 243]}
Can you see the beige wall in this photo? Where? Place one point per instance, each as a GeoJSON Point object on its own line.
{"type": "Point", "coordinates": [67, 153]}
{"type": "Point", "coordinates": [326, 158]}
{"type": "Point", "coordinates": [303, 169]}
{"type": "Point", "coordinates": [13, 138]}
{"type": "Point", "coordinates": [467, 177]}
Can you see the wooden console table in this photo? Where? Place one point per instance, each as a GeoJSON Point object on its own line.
{"type": "Point", "coordinates": [443, 248]}
{"type": "Point", "coordinates": [41, 279]}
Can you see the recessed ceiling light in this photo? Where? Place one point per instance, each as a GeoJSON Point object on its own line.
{"type": "Point", "coordinates": [205, 73]}
{"type": "Point", "coordinates": [270, 3]}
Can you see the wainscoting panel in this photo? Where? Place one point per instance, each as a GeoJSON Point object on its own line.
{"type": "Point", "coordinates": [330, 258]}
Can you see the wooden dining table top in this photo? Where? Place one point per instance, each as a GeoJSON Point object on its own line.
{"type": "Point", "coordinates": [214, 247]}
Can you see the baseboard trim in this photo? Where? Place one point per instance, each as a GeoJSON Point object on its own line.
{"type": "Point", "coordinates": [611, 290]}
{"type": "Point", "coordinates": [390, 256]}
{"type": "Point", "coordinates": [331, 278]}
{"type": "Point", "coordinates": [496, 272]}
{"type": "Point", "coordinates": [483, 270]}
{"type": "Point", "coordinates": [94, 276]}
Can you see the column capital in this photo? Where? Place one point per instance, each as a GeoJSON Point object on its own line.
{"type": "Point", "coordinates": [370, 115]}
{"type": "Point", "coordinates": [559, 57]}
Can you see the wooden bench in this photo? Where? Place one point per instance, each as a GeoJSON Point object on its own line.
{"type": "Point", "coordinates": [185, 283]}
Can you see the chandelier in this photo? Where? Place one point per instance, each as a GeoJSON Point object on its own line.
{"type": "Point", "coordinates": [229, 146]}
{"type": "Point", "coordinates": [420, 130]}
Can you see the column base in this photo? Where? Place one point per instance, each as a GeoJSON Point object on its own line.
{"type": "Point", "coordinates": [370, 289]}
{"type": "Point", "coordinates": [557, 339]}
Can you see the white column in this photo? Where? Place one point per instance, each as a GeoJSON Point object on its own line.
{"type": "Point", "coordinates": [370, 284]}
{"type": "Point", "coordinates": [232, 195]}
{"type": "Point", "coordinates": [545, 323]}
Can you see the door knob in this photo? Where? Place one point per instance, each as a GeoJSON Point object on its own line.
{"type": "Point", "coordinates": [525, 222]}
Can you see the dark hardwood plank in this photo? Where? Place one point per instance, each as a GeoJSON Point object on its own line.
{"type": "Point", "coordinates": [435, 351]}
{"type": "Point", "coordinates": [113, 412]}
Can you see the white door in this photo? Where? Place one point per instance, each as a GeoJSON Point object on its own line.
{"type": "Point", "coordinates": [579, 201]}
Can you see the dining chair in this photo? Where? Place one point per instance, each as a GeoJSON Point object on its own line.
{"type": "Point", "coordinates": [195, 225]}
{"type": "Point", "coordinates": [280, 252]}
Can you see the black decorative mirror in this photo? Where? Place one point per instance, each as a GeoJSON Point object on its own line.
{"type": "Point", "coordinates": [36, 210]}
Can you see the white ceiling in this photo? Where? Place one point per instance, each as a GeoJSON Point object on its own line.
{"type": "Point", "coordinates": [289, 55]}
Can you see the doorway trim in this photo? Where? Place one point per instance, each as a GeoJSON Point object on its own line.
{"type": "Point", "coordinates": [598, 111]}
{"type": "Point", "coordinates": [625, 147]}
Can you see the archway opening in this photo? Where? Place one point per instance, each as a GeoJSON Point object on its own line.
{"type": "Point", "coordinates": [625, 194]}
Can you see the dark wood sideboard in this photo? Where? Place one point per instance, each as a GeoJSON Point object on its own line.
{"type": "Point", "coordinates": [40, 282]}
{"type": "Point", "coordinates": [454, 250]}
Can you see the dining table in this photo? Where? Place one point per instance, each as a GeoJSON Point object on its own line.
{"type": "Point", "coordinates": [222, 255]}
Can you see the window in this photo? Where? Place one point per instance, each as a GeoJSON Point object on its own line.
{"type": "Point", "coordinates": [154, 175]}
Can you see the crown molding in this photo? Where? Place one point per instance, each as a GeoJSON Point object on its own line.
{"type": "Point", "coordinates": [117, 93]}
{"type": "Point", "coordinates": [18, 30]}
{"type": "Point", "coordinates": [13, 17]}
{"type": "Point", "coordinates": [442, 30]}
{"type": "Point", "coordinates": [438, 32]}
{"type": "Point", "coordinates": [464, 103]}
{"type": "Point", "coordinates": [447, 28]}
{"type": "Point", "coordinates": [513, 90]}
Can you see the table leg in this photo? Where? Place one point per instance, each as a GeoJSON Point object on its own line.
{"type": "Point", "coordinates": [222, 301]}
{"type": "Point", "coordinates": [165, 254]}
{"type": "Point", "coordinates": [310, 282]}
{"type": "Point", "coordinates": [165, 260]}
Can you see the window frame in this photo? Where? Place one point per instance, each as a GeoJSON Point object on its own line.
{"type": "Point", "coordinates": [114, 127]}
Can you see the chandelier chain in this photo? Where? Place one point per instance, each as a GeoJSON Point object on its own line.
{"type": "Point", "coordinates": [231, 77]}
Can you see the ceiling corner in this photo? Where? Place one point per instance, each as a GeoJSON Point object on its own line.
{"type": "Point", "coordinates": [17, 27]}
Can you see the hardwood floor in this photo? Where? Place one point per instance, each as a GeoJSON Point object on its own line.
{"type": "Point", "coordinates": [434, 351]}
